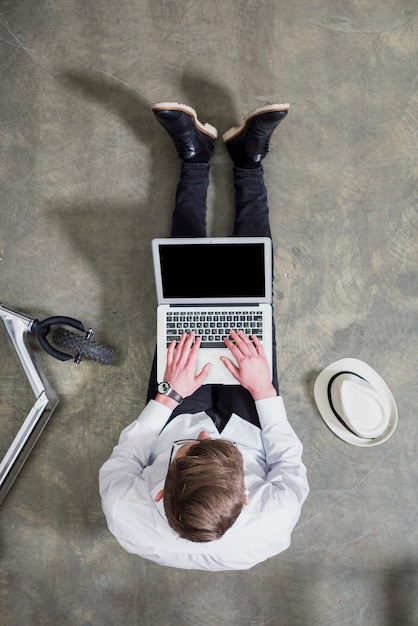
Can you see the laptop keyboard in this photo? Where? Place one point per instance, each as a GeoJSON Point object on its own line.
{"type": "Point", "coordinates": [212, 326]}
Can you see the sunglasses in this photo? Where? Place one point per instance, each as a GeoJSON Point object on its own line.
{"type": "Point", "coordinates": [182, 442]}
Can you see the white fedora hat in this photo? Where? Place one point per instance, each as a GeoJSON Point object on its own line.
{"type": "Point", "coordinates": [356, 403]}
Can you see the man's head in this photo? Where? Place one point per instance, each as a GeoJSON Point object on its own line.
{"type": "Point", "coordinates": [204, 489]}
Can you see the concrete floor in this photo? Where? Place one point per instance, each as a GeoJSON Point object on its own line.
{"type": "Point", "coordinates": [87, 180]}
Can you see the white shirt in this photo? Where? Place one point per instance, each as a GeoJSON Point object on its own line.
{"type": "Point", "coordinates": [275, 478]}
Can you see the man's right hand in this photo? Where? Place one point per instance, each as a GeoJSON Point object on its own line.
{"type": "Point", "coordinates": [253, 371]}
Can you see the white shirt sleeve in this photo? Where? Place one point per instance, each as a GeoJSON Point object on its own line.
{"type": "Point", "coordinates": [285, 471]}
{"type": "Point", "coordinates": [130, 456]}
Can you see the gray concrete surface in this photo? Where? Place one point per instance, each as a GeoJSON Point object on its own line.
{"type": "Point", "coordinates": [87, 180]}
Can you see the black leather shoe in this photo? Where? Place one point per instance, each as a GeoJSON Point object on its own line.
{"type": "Point", "coordinates": [248, 144]}
{"type": "Point", "coordinates": [193, 140]}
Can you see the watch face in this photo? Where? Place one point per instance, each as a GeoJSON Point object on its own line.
{"type": "Point", "coordinates": [164, 387]}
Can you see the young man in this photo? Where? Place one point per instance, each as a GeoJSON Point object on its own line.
{"type": "Point", "coordinates": [210, 476]}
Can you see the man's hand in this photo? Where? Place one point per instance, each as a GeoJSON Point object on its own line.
{"type": "Point", "coordinates": [181, 366]}
{"type": "Point", "coordinates": [253, 371]}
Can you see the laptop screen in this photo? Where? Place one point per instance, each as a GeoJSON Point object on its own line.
{"type": "Point", "coordinates": [214, 271]}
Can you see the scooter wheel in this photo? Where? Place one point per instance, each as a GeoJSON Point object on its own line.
{"type": "Point", "coordinates": [79, 345]}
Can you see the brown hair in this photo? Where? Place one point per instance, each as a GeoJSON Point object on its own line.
{"type": "Point", "coordinates": [204, 490]}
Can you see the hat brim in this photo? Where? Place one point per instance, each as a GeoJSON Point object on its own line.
{"type": "Point", "coordinates": [322, 401]}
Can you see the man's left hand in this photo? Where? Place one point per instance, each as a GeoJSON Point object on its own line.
{"type": "Point", "coordinates": [181, 365]}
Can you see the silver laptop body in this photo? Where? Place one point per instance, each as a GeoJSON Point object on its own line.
{"type": "Point", "coordinates": [227, 278]}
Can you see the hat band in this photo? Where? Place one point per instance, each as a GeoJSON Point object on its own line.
{"type": "Point", "coordinates": [337, 415]}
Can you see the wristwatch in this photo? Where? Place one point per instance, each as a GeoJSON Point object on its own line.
{"type": "Point", "coordinates": [165, 389]}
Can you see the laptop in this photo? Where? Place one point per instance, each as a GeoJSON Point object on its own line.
{"type": "Point", "coordinates": [212, 286]}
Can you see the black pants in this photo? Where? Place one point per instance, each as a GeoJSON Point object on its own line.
{"type": "Point", "coordinates": [189, 220]}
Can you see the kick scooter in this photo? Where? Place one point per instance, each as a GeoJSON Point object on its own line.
{"type": "Point", "coordinates": [18, 327]}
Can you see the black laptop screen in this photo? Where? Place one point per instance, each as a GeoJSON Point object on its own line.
{"type": "Point", "coordinates": [213, 270]}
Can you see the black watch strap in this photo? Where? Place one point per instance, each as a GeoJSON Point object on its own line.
{"type": "Point", "coordinates": [165, 389]}
{"type": "Point", "coordinates": [176, 396]}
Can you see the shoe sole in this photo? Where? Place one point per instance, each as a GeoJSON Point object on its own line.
{"type": "Point", "coordinates": [233, 132]}
{"type": "Point", "coordinates": [208, 129]}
